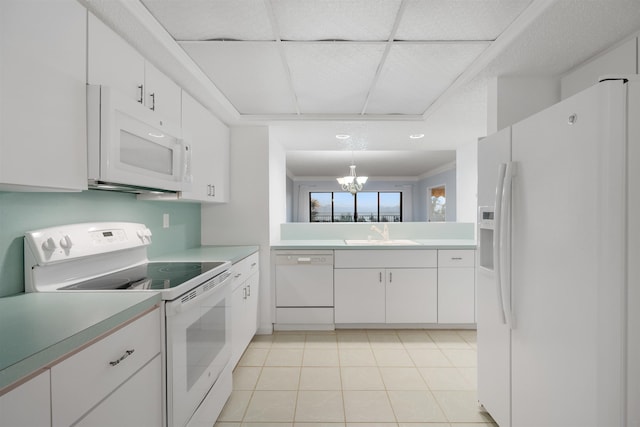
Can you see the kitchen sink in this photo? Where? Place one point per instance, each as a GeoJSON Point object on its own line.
{"type": "Point", "coordinates": [380, 242]}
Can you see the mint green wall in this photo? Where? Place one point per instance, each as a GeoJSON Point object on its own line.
{"type": "Point", "coordinates": [20, 212]}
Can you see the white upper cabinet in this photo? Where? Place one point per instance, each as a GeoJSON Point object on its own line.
{"type": "Point", "coordinates": [115, 63]}
{"type": "Point", "coordinates": [209, 139]}
{"type": "Point", "coordinates": [43, 95]}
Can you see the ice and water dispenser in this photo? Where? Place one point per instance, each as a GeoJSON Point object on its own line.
{"type": "Point", "coordinates": [486, 227]}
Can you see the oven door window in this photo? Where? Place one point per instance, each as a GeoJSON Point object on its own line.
{"type": "Point", "coordinates": [206, 339]}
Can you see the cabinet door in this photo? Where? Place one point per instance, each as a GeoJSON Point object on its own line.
{"type": "Point", "coordinates": [209, 139]}
{"type": "Point", "coordinates": [138, 402]}
{"type": "Point", "coordinates": [162, 95]}
{"type": "Point", "coordinates": [252, 286]}
{"type": "Point", "coordinates": [43, 140]}
{"type": "Point", "coordinates": [412, 295]}
{"type": "Point", "coordinates": [113, 62]}
{"type": "Point", "coordinates": [456, 295]}
{"type": "Point", "coordinates": [359, 295]}
{"type": "Point", "coordinates": [29, 404]}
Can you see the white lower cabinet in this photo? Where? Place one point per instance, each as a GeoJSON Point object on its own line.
{"type": "Point", "coordinates": [29, 404]}
{"type": "Point", "coordinates": [403, 288]}
{"type": "Point", "coordinates": [359, 295]}
{"type": "Point", "coordinates": [144, 388]}
{"type": "Point", "coordinates": [117, 377]}
{"type": "Point", "coordinates": [412, 295]}
{"type": "Point", "coordinates": [456, 286]}
{"type": "Point", "coordinates": [244, 305]}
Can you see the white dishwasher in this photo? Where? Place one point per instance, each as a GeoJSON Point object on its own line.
{"type": "Point", "coordinates": [304, 290]}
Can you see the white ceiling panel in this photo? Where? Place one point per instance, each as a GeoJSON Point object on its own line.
{"type": "Point", "coordinates": [335, 19]}
{"type": "Point", "coordinates": [250, 74]}
{"type": "Point", "coordinates": [415, 74]}
{"type": "Point", "coordinates": [213, 20]}
{"type": "Point", "coordinates": [457, 20]}
{"type": "Point", "coordinates": [332, 78]}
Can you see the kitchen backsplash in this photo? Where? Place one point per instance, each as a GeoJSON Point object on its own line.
{"type": "Point", "coordinates": [20, 212]}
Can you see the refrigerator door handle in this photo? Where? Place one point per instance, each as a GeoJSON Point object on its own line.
{"type": "Point", "coordinates": [505, 244]}
{"type": "Point", "coordinates": [497, 258]}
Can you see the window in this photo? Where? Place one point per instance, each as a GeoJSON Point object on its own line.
{"type": "Point", "coordinates": [437, 203]}
{"type": "Point", "coordinates": [365, 206]}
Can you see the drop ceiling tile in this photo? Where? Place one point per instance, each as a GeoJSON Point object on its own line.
{"type": "Point", "coordinates": [458, 20]}
{"type": "Point", "coordinates": [415, 74]}
{"type": "Point", "coordinates": [332, 78]}
{"type": "Point", "coordinates": [213, 20]}
{"type": "Point", "coordinates": [250, 74]}
{"type": "Point", "coordinates": [335, 19]}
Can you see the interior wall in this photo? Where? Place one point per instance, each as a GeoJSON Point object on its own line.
{"type": "Point", "coordinates": [278, 183]}
{"type": "Point", "coordinates": [289, 199]}
{"type": "Point", "coordinates": [21, 212]}
{"type": "Point", "coordinates": [447, 178]}
{"type": "Point", "coordinates": [244, 220]}
{"type": "Point", "coordinates": [467, 182]}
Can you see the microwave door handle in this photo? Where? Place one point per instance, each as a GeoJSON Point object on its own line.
{"type": "Point", "coordinates": [497, 238]}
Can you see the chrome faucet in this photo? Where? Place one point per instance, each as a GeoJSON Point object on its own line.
{"type": "Point", "coordinates": [384, 233]}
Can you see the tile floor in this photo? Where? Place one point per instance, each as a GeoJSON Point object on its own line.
{"type": "Point", "coordinates": [357, 378]}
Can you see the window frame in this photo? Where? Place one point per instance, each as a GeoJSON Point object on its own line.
{"type": "Point", "coordinates": [355, 205]}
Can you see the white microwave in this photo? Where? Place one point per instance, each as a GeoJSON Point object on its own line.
{"type": "Point", "coordinates": [130, 148]}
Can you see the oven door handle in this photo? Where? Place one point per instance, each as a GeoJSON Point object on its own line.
{"type": "Point", "coordinates": [192, 298]}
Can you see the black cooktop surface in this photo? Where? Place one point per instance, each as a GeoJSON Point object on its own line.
{"type": "Point", "coordinates": [152, 276]}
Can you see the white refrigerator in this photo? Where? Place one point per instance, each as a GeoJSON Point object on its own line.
{"type": "Point", "coordinates": [558, 299]}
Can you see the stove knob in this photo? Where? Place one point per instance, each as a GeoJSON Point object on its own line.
{"type": "Point", "coordinates": [49, 245]}
{"type": "Point", "coordinates": [140, 234]}
{"type": "Point", "coordinates": [66, 242]}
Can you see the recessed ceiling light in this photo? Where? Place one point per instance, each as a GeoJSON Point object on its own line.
{"type": "Point", "coordinates": [342, 136]}
{"type": "Point", "coordinates": [416, 136]}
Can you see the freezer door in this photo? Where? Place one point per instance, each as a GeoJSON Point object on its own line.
{"type": "Point", "coordinates": [558, 353]}
{"type": "Point", "coordinates": [494, 384]}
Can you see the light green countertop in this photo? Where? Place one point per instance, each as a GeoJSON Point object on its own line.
{"type": "Point", "coordinates": [38, 328]}
{"type": "Point", "coordinates": [340, 244]}
{"type": "Point", "coordinates": [210, 253]}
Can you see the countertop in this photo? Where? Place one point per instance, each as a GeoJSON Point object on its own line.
{"type": "Point", "coordinates": [210, 253]}
{"type": "Point", "coordinates": [340, 244]}
{"type": "Point", "coordinates": [38, 328]}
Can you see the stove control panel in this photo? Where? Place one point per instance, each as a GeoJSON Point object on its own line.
{"type": "Point", "coordinates": [68, 242]}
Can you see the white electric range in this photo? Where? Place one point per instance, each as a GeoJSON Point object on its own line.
{"type": "Point", "coordinates": [112, 257]}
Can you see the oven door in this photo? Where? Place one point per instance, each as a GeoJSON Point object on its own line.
{"type": "Point", "coordinates": [198, 326]}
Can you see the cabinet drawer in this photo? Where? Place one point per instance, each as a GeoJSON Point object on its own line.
{"type": "Point", "coordinates": [380, 258]}
{"type": "Point", "coordinates": [245, 268]}
{"type": "Point", "coordinates": [84, 379]}
{"type": "Point", "coordinates": [456, 258]}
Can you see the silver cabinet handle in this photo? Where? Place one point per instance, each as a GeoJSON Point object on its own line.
{"type": "Point", "coordinates": [456, 258]}
{"type": "Point", "coordinates": [244, 293]}
{"type": "Point", "coordinates": [237, 275]}
{"type": "Point", "coordinates": [390, 277]}
{"type": "Point", "coordinates": [248, 290]}
{"type": "Point", "coordinates": [213, 190]}
{"type": "Point", "coordinates": [141, 99]}
{"type": "Point", "coordinates": [153, 101]}
{"type": "Point", "coordinates": [380, 277]}
{"type": "Point", "coordinates": [124, 356]}
{"type": "Point", "coordinates": [254, 264]}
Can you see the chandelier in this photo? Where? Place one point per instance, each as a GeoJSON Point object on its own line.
{"type": "Point", "coordinates": [351, 182]}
